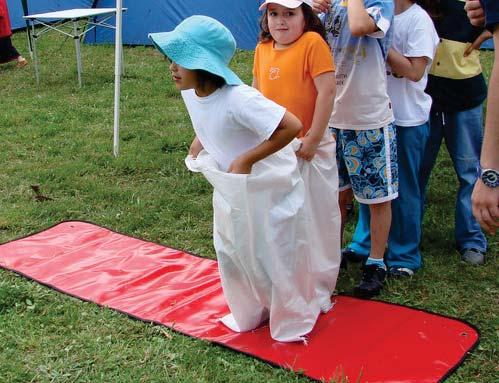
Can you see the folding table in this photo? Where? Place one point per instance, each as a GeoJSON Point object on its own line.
{"type": "Point", "coordinates": [74, 23]}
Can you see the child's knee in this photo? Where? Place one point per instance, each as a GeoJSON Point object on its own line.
{"type": "Point", "coordinates": [375, 207]}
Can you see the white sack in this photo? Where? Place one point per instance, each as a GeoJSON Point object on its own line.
{"type": "Point", "coordinates": [263, 252]}
{"type": "Point", "coordinates": [321, 203]}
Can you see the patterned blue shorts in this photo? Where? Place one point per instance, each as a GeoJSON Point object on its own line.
{"type": "Point", "coordinates": [367, 162]}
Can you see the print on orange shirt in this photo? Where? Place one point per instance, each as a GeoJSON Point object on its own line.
{"type": "Point", "coordinates": [274, 73]}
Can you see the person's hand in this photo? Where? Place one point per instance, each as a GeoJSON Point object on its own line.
{"type": "Point", "coordinates": [240, 166]}
{"type": "Point", "coordinates": [485, 205]}
{"type": "Point", "coordinates": [308, 148]}
{"type": "Point", "coordinates": [195, 148]}
{"type": "Point", "coordinates": [475, 13]}
{"type": "Point", "coordinates": [484, 36]}
{"type": "Point", "coordinates": [321, 5]}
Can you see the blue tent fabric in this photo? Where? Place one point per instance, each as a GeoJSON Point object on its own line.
{"type": "Point", "coordinates": [41, 6]}
{"type": "Point", "coordinates": [147, 16]}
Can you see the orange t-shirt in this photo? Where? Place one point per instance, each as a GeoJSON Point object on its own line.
{"type": "Point", "coordinates": [286, 76]}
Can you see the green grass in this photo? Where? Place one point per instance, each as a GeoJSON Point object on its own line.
{"type": "Point", "coordinates": [60, 137]}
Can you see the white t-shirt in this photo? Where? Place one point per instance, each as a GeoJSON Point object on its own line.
{"type": "Point", "coordinates": [232, 120]}
{"type": "Point", "coordinates": [414, 35]}
{"type": "Point", "coordinates": [361, 100]}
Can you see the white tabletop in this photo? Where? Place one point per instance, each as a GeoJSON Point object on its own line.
{"type": "Point", "coordinates": [73, 13]}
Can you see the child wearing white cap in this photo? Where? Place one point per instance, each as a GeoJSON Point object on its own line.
{"type": "Point", "coordinates": [242, 146]}
{"type": "Point", "coordinates": [293, 67]}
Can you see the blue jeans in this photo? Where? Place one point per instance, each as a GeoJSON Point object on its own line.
{"type": "Point", "coordinates": [463, 134]}
{"type": "Point", "coordinates": [405, 232]}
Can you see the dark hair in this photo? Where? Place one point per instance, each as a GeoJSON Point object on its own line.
{"type": "Point", "coordinates": [433, 7]}
{"type": "Point", "coordinates": [205, 77]}
{"type": "Point", "coordinates": [312, 24]}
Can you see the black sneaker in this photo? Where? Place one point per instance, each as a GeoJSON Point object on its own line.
{"type": "Point", "coordinates": [352, 256]}
{"type": "Point", "coordinates": [371, 283]}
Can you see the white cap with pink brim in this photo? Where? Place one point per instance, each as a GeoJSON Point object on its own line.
{"type": "Point", "coordinates": [285, 3]}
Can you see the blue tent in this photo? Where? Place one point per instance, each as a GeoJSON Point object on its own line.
{"type": "Point", "coordinates": [146, 16]}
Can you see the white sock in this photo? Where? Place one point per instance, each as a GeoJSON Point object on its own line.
{"type": "Point", "coordinates": [376, 261]}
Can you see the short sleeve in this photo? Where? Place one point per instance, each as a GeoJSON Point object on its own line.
{"type": "Point", "coordinates": [319, 57]}
{"type": "Point", "coordinates": [381, 12]}
{"type": "Point", "coordinates": [422, 39]}
{"type": "Point", "coordinates": [491, 8]}
{"type": "Point", "coordinates": [249, 108]}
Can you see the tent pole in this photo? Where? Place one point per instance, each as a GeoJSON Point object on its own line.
{"type": "Point", "coordinates": [117, 77]}
{"type": "Point", "coordinates": [28, 26]}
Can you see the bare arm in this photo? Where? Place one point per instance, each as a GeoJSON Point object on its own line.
{"type": "Point", "coordinates": [412, 68]}
{"type": "Point", "coordinates": [485, 201]}
{"type": "Point", "coordinates": [287, 129]}
{"type": "Point", "coordinates": [485, 35]}
{"type": "Point", "coordinates": [195, 147]}
{"type": "Point", "coordinates": [326, 90]}
{"type": "Point", "coordinates": [359, 21]}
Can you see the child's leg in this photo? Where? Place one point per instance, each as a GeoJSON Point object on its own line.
{"type": "Point", "coordinates": [405, 233]}
{"type": "Point", "coordinates": [432, 147]}
{"type": "Point", "coordinates": [372, 166]}
{"type": "Point", "coordinates": [344, 200]}
{"type": "Point", "coordinates": [358, 249]}
{"type": "Point", "coordinates": [381, 220]}
{"type": "Point", "coordinates": [344, 186]}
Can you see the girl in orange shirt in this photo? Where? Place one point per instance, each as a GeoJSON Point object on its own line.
{"type": "Point", "coordinates": [293, 66]}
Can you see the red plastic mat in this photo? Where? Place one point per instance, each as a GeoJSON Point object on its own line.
{"type": "Point", "coordinates": [366, 341]}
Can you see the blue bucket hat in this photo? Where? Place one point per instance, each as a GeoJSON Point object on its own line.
{"type": "Point", "coordinates": [200, 42]}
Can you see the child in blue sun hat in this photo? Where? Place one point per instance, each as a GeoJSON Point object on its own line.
{"type": "Point", "coordinates": [243, 146]}
{"type": "Point", "coordinates": [200, 42]}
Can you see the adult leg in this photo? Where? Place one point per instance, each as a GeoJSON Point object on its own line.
{"type": "Point", "coordinates": [463, 139]}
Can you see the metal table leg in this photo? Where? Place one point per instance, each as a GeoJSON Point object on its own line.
{"type": "Point", "coordinates": [76, 37]}
{"type": "Point", "coordinates": [33, 38]}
